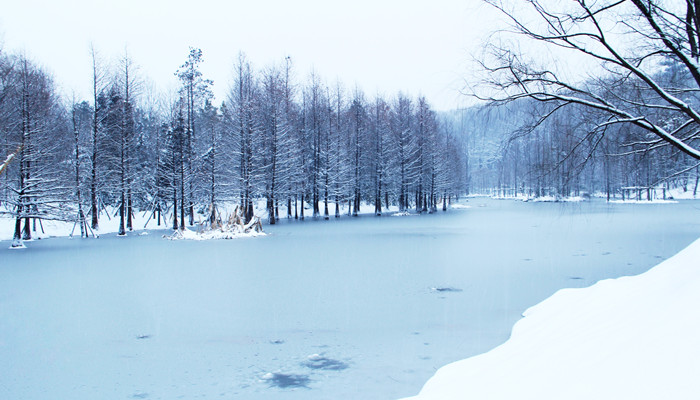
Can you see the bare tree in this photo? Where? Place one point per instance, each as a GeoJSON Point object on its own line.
{"type": "Point", "coordinates": [80, 116]}
{"type": "Point", "coordinates": [195, 91]}
{"type": "Point", "coordinates": [97, 87]}
{"type": "Point", "coordinates": [631, 41]}
{"type": "Point", "coordinates": [38, 130]}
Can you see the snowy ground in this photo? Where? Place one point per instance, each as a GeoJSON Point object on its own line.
{"type": "Point", "coordinates": [143, 222]}
{"type": "Point", "coordinates": [109, 223]}
{"type": "Point", "coordinates": [673, 194]}
{"type": "Point", "coordinates": [627, 338]}
{"type": "Point", "coordinates": [655, 201]}
{"type": "Point", "coordinates": [357, 308]}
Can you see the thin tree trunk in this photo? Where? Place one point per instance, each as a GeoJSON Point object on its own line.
{"type": "Point", "coordinates": [302, 207]}
{"type": "Point", "coordinates": [175, 224]}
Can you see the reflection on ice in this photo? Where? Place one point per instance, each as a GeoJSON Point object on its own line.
{"type": "Point", "coordinates": [285, 381]}
{"type": "Point", "coordinates": [316, 361]}
{"type": "Point", "coordinates": [445, 289]}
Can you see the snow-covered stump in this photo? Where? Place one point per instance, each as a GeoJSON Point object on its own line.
{"type": "Point", "coordinates": [231, 228]}
{"type": "Point", "coordinates": [17, 244]}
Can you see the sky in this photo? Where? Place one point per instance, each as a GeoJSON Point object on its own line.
{"type": "Point", "coordinates": [383, 47]}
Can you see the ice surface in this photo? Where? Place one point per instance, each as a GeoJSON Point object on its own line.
{"type": "Point", "coordinates": [219, 315]}
{"type": "Point", "coordinates": [627, 338]}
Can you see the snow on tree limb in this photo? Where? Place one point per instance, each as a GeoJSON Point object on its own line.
{"type": "Point", "coordinates": [9, 159]}
{"type": "Point", "coordinates": [657, 30]}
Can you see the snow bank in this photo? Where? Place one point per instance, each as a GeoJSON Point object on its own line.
{"type": "Point", "coordinates": [655, 201]}
{"type": "Point", "coordinates": [142, 223]}
{"type": "Point", "coordinates": [680, 194]}
{"type": "Point", "coordinates": [187, 234]}
{"type": "Point", "coordinates": [402, 214]}
{"type": "Point", "coordinates": [627, 338]}
{"type": "Point", "coordinates": [51, 228]}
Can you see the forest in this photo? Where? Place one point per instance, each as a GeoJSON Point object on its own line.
{"type": "Point", "coordinates": [273, 138]}
{"type": "Point", "coordinates": [527, 149]}
{"type": "Point", "coordinates": [620, 121]}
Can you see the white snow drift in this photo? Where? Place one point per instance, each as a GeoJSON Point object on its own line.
{"type": "Point", "coordinates": [627, 338]}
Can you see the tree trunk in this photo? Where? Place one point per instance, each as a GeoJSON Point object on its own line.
{"type": "Point", "coordinates": [122, 206]}
{"type": "Point", "coordinates": [302, 207]}
{"type": "Point", "coordinates": [337, 206]}
{"type": "Point", "coordinates": [17, 237]}
{"type": "Point", "coordinates": [175, 224]}
{"type": "Point", "coordinates": [129, 210]}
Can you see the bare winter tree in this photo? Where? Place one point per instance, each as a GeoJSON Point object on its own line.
{"type": "Point", "coordinates": [357, 118]}
{"type": "Point", "coordinates": [80, 121]}
{"type": "Point", "coordinates": [97, 83]}
{"type": "Point", "coordinates": [243, 128]}
{"type": "Point", "coordinates": [39, 132]}
{"type": "Point", "coordinates": [380, 159]}
{"type": "Point", "coordinates": [277, 137]}
{"type": "Point", "coordinates": [404, 145]}
{"type": "Point", "coordinates": [195, 91]}
{"type": "Point", "coordinates": [125, 134]}
{"type": "Point", "coordinates": [632, 42]}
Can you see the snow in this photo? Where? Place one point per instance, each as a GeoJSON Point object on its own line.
{"type": "Point", "coordinates": [51, 228]}
{"type": "Point", "coordinates": [402, 214]}
{"type": "Point", "coordinates": [7, 160]}
{"type": "Point", "coordinates": [188, 234]}
{"type": "Point", "coordinates": [109, 224]}
{"type": "Point", "coordinates": [681, 193]}
{"type": "Point", "coordinates": [626, 338]}
{"type": "Point", "coordinates": [142, 223]}
{"type": "Point", "coordinates": [18, 246]}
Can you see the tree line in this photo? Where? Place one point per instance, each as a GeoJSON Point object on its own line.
{"type": "Point", "coordinates": [292, 143]}
{"type": "Point", "coordinates": [527, 148]}
{"type": "Point", "coordinates": [629, 127]}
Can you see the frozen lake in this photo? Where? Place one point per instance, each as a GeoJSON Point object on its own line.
{"type": "Point", "coordinates": [363, 308]}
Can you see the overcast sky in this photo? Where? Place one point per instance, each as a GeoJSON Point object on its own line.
{"type": "Point", "coordinates": [419, 47]}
